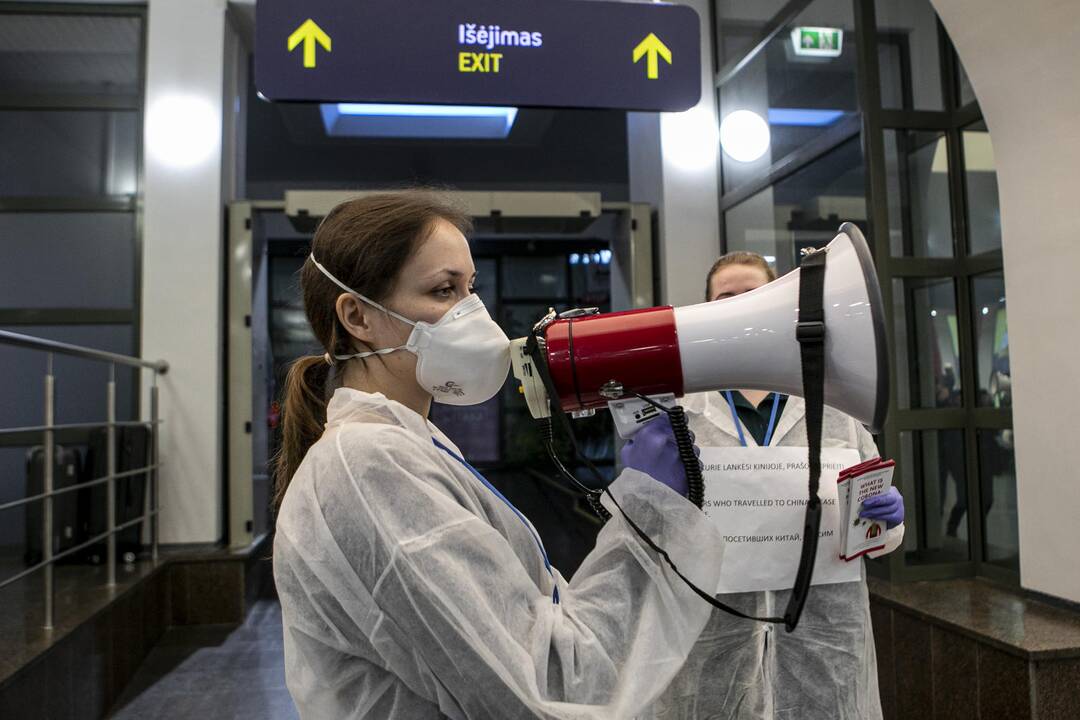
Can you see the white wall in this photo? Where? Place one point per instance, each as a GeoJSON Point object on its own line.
{"type": "Point", "coordinates": [1022, 59]}
{"type": "Point", "coordinates": [673, 160]}
{"type": "Point", "coordinates": [182, 258]}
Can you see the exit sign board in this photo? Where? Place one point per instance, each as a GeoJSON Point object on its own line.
{"type": "Point", "coordinates": [550, 53]}
{"type": "Point", "coordinates": [817, 41]}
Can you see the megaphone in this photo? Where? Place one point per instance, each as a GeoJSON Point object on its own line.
{"type": "Point", "coordinates": [748, 341]}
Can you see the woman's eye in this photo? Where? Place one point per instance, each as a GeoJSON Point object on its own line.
{"type": "Point", "coordinates": [472, 289]}
{"type": "Point", "coordinates": [444, 292]}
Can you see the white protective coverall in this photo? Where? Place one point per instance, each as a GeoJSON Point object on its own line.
{"type": "Point", "coordinates": [745, 670]}
{"type": "Point", "coordinates": [410, 589]}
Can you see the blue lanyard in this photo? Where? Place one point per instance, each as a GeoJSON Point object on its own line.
{"type": "Point", "coordinates": [489, 486]}
{"type": "Point", "coordinates": [738, 424]}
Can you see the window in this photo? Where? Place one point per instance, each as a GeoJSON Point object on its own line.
{"type": "Point", "coordinates": [980, 180]}
{"type": "Point", "coordinates": [909, 59]}
{"type": "Point", "coordinates": [920, 223]}
{"type": "Point", "coordinates": [70, 141]}
{"type": "Point", "coordinates": [925, 194]}
{"type": "Point", "coordinates": [801, 211]}
{"type": "Point", "coordinates": [797, 93]}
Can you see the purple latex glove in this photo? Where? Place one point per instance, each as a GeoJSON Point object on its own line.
{"type": "Point", "coordinates": [888, 507]}
{"type": "Point", "coordinates": [653, 451]}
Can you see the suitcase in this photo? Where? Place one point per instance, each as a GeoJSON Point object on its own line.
{"type": "Point", "coordinates": [132, 452]}
{"type": "Point", "coordinates": [67, 466]}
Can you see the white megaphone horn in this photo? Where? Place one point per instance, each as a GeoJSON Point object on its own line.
{"type": "Point", "coordinates": [747, 341]}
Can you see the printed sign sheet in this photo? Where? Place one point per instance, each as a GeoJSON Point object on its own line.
{"type": "Point", "coordinates": [757, 498]}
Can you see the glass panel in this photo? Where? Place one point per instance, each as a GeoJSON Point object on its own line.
{"type": "Point", "coordinates": [908, 55]}
{"type": "Point", "coordinates": [967, 92]}
{"type": "Point", "coordinates": [518, 319]}
{"type": "Point", "coordinates": [290, 333]}
{"type": "Point", "coordinates": [12, 522]}
{"type": "Point", "coordinates": [980, 175]}
{"type": "Point", "coordinates": [590, 278]}
{"type": "Point", "coordinates": [933, 483]}
{"type": "Point", "coordinates": [740, 23]}
{"type": "Point", "coordinates": [997, 479]}
{"type": "Point", "coordinates": [927, 343]}
{"type": "Point", "coordinates": [22, 524]}
{"type": "Point", "coordinates": [803, 210]}
{"type": "Point", "coordinates": [74, 260]}
{"type": "Point", "coordinates": [486, 285]}
{"type": "Point", "coordinates": [522, 441]}
{"type": "Point", "coordinates": [991, 340]}
{"type": "Point", "coordinates": [473, 428]}
{"type": "Point", "coordinates": [540, 278]}
{"type": "Point", "coordinates": [917, 173]}
{"type": "Point", "coordinates": [62, 153]}
{"type": "Point", "coordinates": [790, 93]}
{"type": "Point", "coordinates": [80, 383]}
{"type": "Point", "coordinates": [67, 54]}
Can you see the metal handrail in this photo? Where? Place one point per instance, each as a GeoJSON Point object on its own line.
{"type": "Point", "coordinates": [71, 551]}
{"type": "Point", "coordinates": [49, 428]}
{"type": "Point", "coordinates": [81, 486]}
{"type": "Point", "coordinates": [54, 346]}
{"type": "Point", "coordinates": [79, 426]}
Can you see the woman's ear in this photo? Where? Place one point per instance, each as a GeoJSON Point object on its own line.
{"type": "Point", "coordinates": [356, 318]}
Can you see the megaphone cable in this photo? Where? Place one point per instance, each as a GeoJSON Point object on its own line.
{"type": "Point", "coordinates": [810, 333]}
{"type": "Point", "coordinates": [534, 349]}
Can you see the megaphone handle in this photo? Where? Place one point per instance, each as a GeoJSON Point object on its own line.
{"type": "Point", "coordinates": [684, 442]}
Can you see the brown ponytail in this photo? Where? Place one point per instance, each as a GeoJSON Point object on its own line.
{"type": "Point", "coordinates": [304, 414]}
{"type": "Point", "coordinates": [365, 243]}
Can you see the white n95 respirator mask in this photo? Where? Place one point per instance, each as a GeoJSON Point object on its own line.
{"type": "Point", "coordinates": [462, 359]}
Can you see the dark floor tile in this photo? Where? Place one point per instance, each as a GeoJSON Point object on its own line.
{"type": "Point", "coordinates": [271, 705]}
{"type": "Point", "coordinates": [912, 657]}
{"type": "Point", "coordinates": [1004, 688]}
{"type": "Point", "coordinates": [196, 635]}
{"type": "Point", "coordinates": [186, 706]}
{"type": "Point", "coordinates": [214, 672]}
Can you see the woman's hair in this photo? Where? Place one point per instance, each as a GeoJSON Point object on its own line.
{"type": "Point", "coordinates": [739, 257]}
{"type": "Point", "coordinates": [364, 243]}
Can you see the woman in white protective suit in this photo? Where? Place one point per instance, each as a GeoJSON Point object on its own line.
{"type": "Point", "coordinates": [740, 669]}
{"type": "Point", "coordinates": [410, 588]}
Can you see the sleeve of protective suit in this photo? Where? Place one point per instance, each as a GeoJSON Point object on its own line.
{"type": "Point", "coordinates": [487, 639]}
{"type": "Point", "coordinates": [894, 537]}
{"type": "Point", "coordinates": [864, 441]}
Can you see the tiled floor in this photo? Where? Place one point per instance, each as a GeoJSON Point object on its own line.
{"type": "Point", "coordinates": [214, 672]}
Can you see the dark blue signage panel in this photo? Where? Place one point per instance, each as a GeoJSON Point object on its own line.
{"type": "Point", "coordinates": [554, 53]}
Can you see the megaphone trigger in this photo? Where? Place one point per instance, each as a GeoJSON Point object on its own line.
{"type": "Point", "coordinates": [631, 414]}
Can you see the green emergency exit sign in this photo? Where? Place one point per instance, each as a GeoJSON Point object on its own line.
{"type": "Point", "coordinates": [817, 41]}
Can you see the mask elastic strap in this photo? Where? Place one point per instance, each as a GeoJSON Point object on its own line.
{"type": "Point", "coordinates": [384, 351]}
{"type": "Point", "coordinates": [369, 301]}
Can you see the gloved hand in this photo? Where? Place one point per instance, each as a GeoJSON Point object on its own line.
{"type": "Point", "coordinates": [887, 506]}
{"type": "Point", "coordinates": [653, 451]}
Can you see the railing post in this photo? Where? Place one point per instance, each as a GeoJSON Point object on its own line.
{"type": "Point", "coordinates": [155, 429]}
{"type": "Point", "coordinates": [47, 482]}
{"type": "Point", "coordinates": [110, 510]}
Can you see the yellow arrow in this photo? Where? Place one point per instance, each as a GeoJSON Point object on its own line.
{"type": "Point", "coordinates": [652, 46]}
{"type": "Point", "coordinates": [309, 33]}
